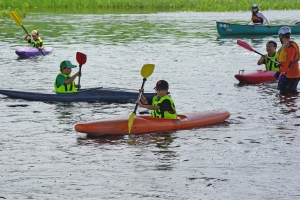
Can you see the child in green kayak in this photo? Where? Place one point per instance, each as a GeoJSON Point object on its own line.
{"type": "Point", "coordinates": [64, 83]}
{"type": "Point", "coordinates": [161, 105]}
{"type": "Point", "coordinates": [34, 40]}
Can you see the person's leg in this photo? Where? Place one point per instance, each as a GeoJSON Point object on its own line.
{"type": "Point", "coordinates": [292, 85]}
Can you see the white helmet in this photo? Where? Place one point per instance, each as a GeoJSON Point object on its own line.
{"type": "Point", "coordinates": [284, 30]}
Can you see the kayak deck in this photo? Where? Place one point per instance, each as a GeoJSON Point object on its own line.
{"type": "Point", "coordinates": [29, 51]}
{"type": "Point", "coordinates": [147, 124]}
{"type": "Point", "coordinates": [99, 94]}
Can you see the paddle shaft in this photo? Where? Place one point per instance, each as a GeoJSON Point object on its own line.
{"type": "Point", "coordinates": [79, 75]}
{"type": "Point", "coordinates": [140, 95]}
{"type": "Point", "coordinates": [278, 63]}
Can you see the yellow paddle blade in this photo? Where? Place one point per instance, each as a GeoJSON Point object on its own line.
{"type": "Point", "coordinates": [147, 70]}
{"type": "Point", "coordinates": [130, 122]}
{"type": "Point", "coordinates": [16, 17]}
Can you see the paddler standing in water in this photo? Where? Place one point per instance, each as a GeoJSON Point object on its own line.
{"type": "Point", "coordinates": [258, 17]}
{"type": "Point", "coordinates": [161, 105]}
{"type": "Point", "coordinates": [288, 56]}
{"type": "Point", "coordinates": [64, 83]}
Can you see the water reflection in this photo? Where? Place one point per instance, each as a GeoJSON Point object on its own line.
{"type": "Point", "coordinates": [105, 139]}
{"type": "Point", "coordinates": [164, 154]}
{"type": "Point", "coordinates": [289, 101]}
{"type": "Point", "coordinates": [161, 140]}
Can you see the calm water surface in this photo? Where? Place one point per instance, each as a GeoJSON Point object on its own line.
{"type": "Point", "coordinates": [252, 155]}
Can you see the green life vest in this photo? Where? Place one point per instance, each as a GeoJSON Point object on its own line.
{"type": "Point", "coordinates": [158, 113]}
{"type": "Point", "coordinates": [65, 88]}
{"type": "Point", "coordinates": [37, 42]}
{"type": "Point", "coordinates": [271, 65]}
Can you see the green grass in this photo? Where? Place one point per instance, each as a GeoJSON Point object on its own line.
{"type": "Point", "coordinates": [164, 5]}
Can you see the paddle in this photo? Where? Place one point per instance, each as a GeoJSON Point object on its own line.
{"type": "Point", "coordinates": [146, 71]}
{"type": "Point", "coordinates": [81, 59]}
{"type": "Point", "coordinates": [248, 47]}
{"type": "Point", "coordinates": [16, 17]}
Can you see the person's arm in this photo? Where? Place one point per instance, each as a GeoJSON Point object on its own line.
{"type": "Point", "coordinates": [26, 37]}
{"type": "Point", "coordinates": [262, 60]}
{"type": "Point", "coordinates": [260, 14]}
{"type": "Point", "coordinates": [150, 107]}
{"type": "Point", "coordinates": [41, 46]}
{"type": "Point", "coordinates": [71, 79]}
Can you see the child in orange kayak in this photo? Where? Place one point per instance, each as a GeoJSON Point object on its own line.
{"type": "Point", "coordinates": [34, 40]}
{"type": "Point", "coordinates": [161, 105]}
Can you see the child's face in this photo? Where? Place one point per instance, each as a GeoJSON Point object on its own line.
{"type": "Point", "coordinates": [66, 71]}
{"type": "Point", "coordinates": [35, 37]}
{"type": "Point", "coordinates": [161, 93]}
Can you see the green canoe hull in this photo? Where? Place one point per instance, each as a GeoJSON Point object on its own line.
{"type": "Point", "coordinates": [227, 29]}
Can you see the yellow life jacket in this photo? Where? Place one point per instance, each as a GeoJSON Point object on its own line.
{"type": "Point", "coordinates": [158, 113]}
{"type": "Point", "coordinates": [37, 42]}
{"type": "Point", "coordinates": [272, 65]}
{"type": "Point", "coordinates": [65, 88]}
{"type": "Point", "coordinates": [282, 53]}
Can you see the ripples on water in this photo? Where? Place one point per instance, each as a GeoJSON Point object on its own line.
{"type": "Point", "coordinates": [253, 155]}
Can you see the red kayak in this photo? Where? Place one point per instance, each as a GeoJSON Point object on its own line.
{"type": "Point", "coordinates": [258, 76]}
{"type": "Point", "coordinates": [148, 124]}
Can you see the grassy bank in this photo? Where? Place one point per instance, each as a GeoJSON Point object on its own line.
{"type": "Point", "coordinates": [172, 5]}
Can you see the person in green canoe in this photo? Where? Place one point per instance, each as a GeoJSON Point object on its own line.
{"type": "Point", "coordinates": [161, 105]}
{"type": "Point", "coordinates": [271, 53]}
{"type": "Point", "coordinates": [64, 83]}
{"type": "Point", "coordinates": [34, 39]}
{"type": "Point", "coordinates": [258, 17]}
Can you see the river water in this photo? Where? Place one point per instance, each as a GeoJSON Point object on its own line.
{"type": "Point", "coordinates": [252, 155]}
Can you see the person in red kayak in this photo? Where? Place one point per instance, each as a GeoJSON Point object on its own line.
{"type": "Point", "coordinates": [34, 40]}
{"type": "Point", "coordinates": [288, 56]}
{"type": "Point", "coordinates": [161, 105]}
{"type": "Point", "coordinates": [258, 17]}
{"type": "Point", "coordinates": [271, 53]}
{"type": "Point", "coordinates": [64, 83]}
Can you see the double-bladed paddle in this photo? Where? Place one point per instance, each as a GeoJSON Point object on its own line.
{"type": "Point", "coordinates": [146, 71]}
{"type": "Point", "coordinates": [248, 47]}
{"type": "Point", "coordinates": [81, 59]}
{"type": "Point", "coordinates": [16, 17]}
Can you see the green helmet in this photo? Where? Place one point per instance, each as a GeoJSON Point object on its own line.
{"type": "Point", "coordinates": [254, 6]}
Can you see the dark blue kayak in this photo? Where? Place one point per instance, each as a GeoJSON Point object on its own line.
{"type": "Point", "coordinates": [100, 94]}
{"type": "Point", "coordinates": [32, 51]}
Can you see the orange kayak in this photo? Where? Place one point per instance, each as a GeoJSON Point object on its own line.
{"type": "Point", "coordinates": [147, 124]}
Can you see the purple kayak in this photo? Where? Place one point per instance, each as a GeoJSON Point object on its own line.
{"type": "Point", "coordinates": [32, 51]}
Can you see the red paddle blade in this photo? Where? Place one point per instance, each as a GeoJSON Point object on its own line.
{"type": "Point", "coordinates": [81, 58]}
{"type": "Point", "coordinates": [245, 45]}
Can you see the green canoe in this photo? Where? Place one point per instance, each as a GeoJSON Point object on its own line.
{"type": "Point", "coordinates": [227, 29]}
